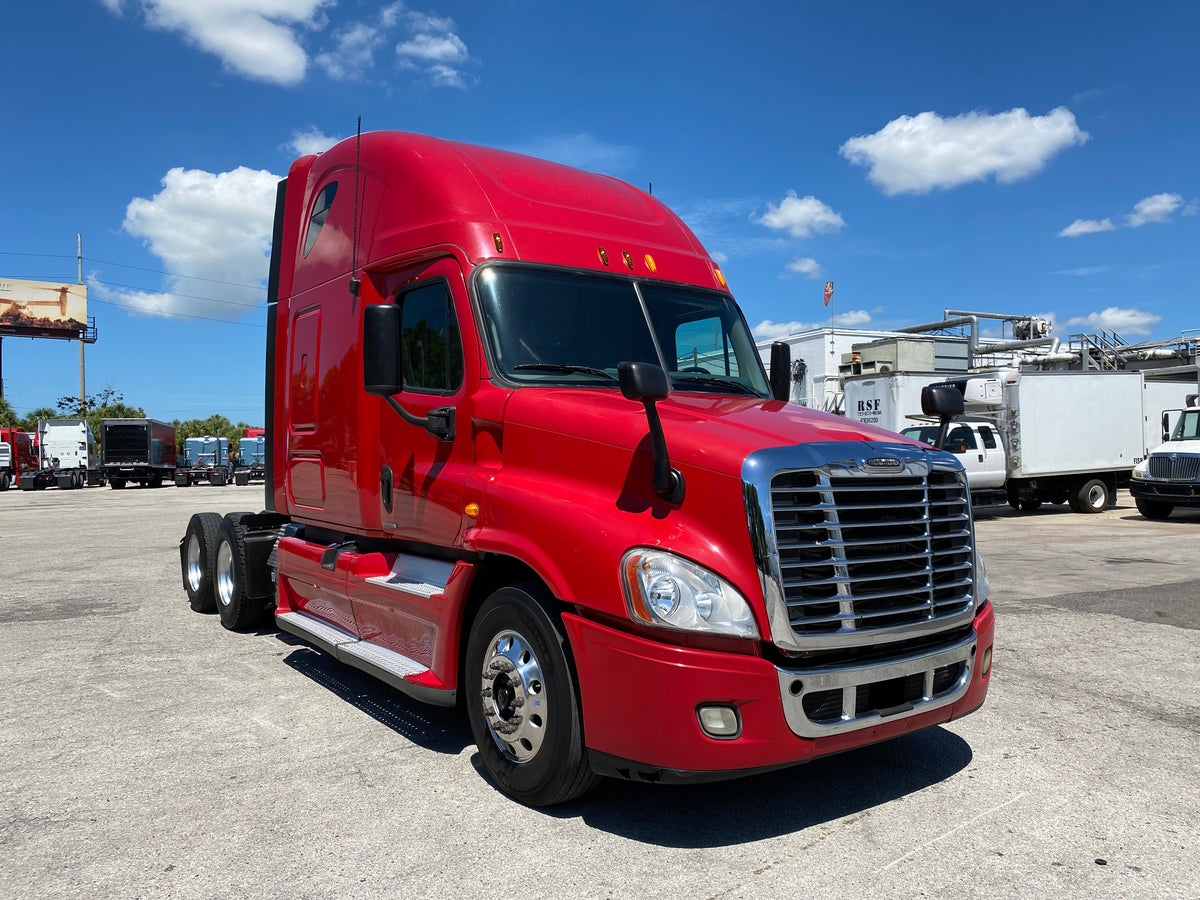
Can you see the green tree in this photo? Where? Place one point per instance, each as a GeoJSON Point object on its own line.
{"type": "Point", "coordinates": [8, 416]}
{"type": "Point", "coordinates": [30, 421]}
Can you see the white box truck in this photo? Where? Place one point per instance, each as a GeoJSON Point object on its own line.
{"type": "Point", "coordinates": [1032, 437]}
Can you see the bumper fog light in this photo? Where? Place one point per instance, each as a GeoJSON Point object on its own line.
{"type": "Point", "coordinates": [719, 721]}
{"type": "Point", "coordinates": [986, 669]}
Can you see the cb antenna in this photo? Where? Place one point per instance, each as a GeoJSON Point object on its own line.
{"type": "Point", "coordinates": [355, 283]}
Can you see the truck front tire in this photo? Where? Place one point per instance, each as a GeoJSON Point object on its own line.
{"type": "Point", "coordinates": [1090, 496]}
{"type": "Point", "coordinates": [1153, 509]}
{"type": "Point", "coordinates": [522, 701]}
{"type": "Point", "coordinates": [196, 558]}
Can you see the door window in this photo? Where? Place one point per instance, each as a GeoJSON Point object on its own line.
{"type": "Point", "coordinates": [433, 356]}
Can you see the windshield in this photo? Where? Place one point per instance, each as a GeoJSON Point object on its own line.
{"type": "Point", "coordinates": [550, 326]}
{"type": "Point", "coordinates": [1188, 427]}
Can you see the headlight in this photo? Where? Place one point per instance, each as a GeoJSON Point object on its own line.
{"type": "Point", "coordinates": [981, 580]}
{"type": "Point", "coordinates": [1140, 470]}
{"type": "Point", "coordinates": [671, 592]}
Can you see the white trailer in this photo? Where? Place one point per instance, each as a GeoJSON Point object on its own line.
{"type": "Point", "coordinates": [1033, 437]}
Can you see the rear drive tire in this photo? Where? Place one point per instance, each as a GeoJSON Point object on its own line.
{"type": "Point", "coordinates": [4, 476]}
{"type": "Point", "coordinates": [196, 560]}
{"type": "Point", "coordinates": [1090, 496]}
{"type": "Point", "coordinates": [522, 700]}
{"type": "Point", "coordinates": [238, 611]}
{"type": "Point", "coordinates": [116, 483]}
{"type": "Point", "coordinates": [1153, 509]}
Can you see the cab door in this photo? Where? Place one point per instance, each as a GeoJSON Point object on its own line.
{"type": "Point", "coordinates": [989, 468]}
{"type": "Point", "coordinates": [421, 475]}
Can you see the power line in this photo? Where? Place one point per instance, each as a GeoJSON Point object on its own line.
{"type": "Point", "coordinates": [174, 315]}
{"type": "Point", "coordinates": [108, 262]}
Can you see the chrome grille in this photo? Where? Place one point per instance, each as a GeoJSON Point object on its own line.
{"type": "Point", "coordinates": [1172, 467]}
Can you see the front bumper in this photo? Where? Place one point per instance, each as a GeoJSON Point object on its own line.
{"type": "Point", "coordinates": [1180, 493]}
{"type": "Point", "coordinates": [640, 701]}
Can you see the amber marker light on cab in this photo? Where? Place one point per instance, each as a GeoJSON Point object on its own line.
{"type": "Point", "coordinates": [472, 510]}
{"type": "Point", "coordinates": [720, 276]}
{"type": "Point", "coordinates": [650, 263]}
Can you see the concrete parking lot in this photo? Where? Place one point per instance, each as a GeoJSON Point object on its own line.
{"type": "Point", "coordinates": [147, 752]}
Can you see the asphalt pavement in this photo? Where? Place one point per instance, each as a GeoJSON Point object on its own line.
{"type": "Point", "coordinates": [147, 752]}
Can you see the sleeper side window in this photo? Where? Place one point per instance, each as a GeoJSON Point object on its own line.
{"type": "Point", "coordinates": [433, 355]}
{"type": "Point", "coordinates": [319, 214]}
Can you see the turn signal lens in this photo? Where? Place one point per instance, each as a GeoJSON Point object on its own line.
{"type": "Point", "coordinates": [986, 669]}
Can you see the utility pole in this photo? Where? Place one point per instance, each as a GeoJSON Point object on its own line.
{"type": "Point", "coordinates": [82, 381]}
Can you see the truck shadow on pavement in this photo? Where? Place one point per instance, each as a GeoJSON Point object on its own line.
{"type": "Point", "coordinates": [431, 727]}
{"type": "Point", "coordinates": [714, 814]}
{"type": "Point", "coordinates": [725, 813]}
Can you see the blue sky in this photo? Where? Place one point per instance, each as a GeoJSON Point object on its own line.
{"type": "Point", "coordinates": [1024, 158]}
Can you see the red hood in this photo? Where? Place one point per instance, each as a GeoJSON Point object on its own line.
{"type": "Point", "coordinates": [707, 430]}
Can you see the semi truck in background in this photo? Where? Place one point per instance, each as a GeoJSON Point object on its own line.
{"type": "Point", "coordinates": [18, 454]}
{"type": "Point", "coordinates": [1170, 475]}
{"type": "Point", "coordinates": [137, 450]}
{"type": "Point", "coordinates": [1029, 438]}
{"type": "Point", "coordinates": [522, 453]}
{"type": "Point", "coordinates": [67, 457]}
{"type": "Point", "coordinates": [251, 458]}
{"type": "Point", "coordinates": [205, 460]}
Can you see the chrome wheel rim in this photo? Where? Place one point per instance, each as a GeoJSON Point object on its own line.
{"type": "Point", "coordinates": [195, 571]}
{"type": "Point", "coordinates": [224, 573]}
{"type": "Point", "coordinates": [1097, 496]}
{"type": "Point", "coordinates": [514, 697]}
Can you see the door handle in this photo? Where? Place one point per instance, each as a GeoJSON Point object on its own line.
{"type": "Point", "coordinates": [385, 487]}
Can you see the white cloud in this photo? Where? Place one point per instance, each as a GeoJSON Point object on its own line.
{"type": "Point", "coordinates": [1082, 272]}
{"type": "Point", "coordinates": [312, 140]}
{"type": "Point", "coordinates": [1087, 226]}
{"type": "Point", "coordinates": [582, 151]}
{"type": "Point", "coordinates": [767, 330]}
{"type": "Point", "coordinates": [1156, 209]}
{"type": "Point", "coordinates": [255, 38]}
{"type": "Point", "coordinates": [353, 53]}
{"type": "Point", "coordinates": [801, 217]}
{"type": "Point", "coordinates": [916, 154]}
{"type": "Point", "coordinates": [1122, 321]}
{"type": "Point", "coordinates": [434, 49]}
{"type": "Point", "coordinates": [213, 231]}
{"type": "Point", "coordinates": [805, 266]}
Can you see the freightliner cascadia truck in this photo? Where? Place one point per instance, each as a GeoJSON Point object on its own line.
{"type": "Point", "coordinates": [523, 457]}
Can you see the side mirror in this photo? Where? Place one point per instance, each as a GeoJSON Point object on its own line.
{"type": "Point", "coordinates": [643, 381]}
{"type": "Point", "coordinates": [945, 401]}
{"type": "Point", "coordinates": [648, 384]}
{"type": "Point", "coordinates": [781, 371]}
{"type": "Point", "coordinates": [383, 365]}
{"type": "Point", "coordinates": [1166, 427]}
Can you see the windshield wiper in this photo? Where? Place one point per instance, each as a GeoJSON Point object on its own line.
{"type": "Point", "coordinates": [729, 384]}
{"type": "Point", "coordinates": [569, 369]}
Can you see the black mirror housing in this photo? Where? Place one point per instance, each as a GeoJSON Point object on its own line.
{"type": "Point", "coordinates": [643, 381]}
{"type": "Point", "coordinates": [941, 400]}
{"type": "Point", "coordinates": [382, 358]}
{"type": "Point", "coordinates": [781, 371]}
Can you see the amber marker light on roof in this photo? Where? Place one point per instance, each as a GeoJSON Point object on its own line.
{"type": "Point", "coordinates": [628, 259]}
{"type": "Point", "coordinates": [720, 276]}
{"type": "Point", "coordinates": [603, 255]}
{"type": "Point", "coordinates": [498, 241]}
{"type": "Point", "coordinates": [650, 263]}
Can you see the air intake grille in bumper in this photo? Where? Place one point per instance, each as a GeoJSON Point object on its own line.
{"type": "Point", "coordinates": [1169, 467]}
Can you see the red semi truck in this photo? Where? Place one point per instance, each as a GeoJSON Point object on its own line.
{"type": "Point", "coordinates": [523, 456]}
{"type": "Point", "coordinates": [18, 455]}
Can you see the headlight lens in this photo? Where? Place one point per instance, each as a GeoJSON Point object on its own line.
{"type": "Point", "coordinates": [981, 579]}
{"type": "Point", "coordinates": [671, 592]}
{"type": "Point", "coordinates": [1139, 471]}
